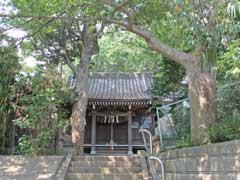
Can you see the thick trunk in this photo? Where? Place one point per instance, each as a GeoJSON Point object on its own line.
{"type": "Point", "coordinates": [78, 120]}
{"type": "Point", "coordinates": [201, 82]}
{"type": "Point", "coordinates": [78, 125]}
{"type": "Point", "coordinates": [201, 90]}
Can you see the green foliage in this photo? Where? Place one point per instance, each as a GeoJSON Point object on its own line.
{"type": "Point", "coordinates": [225, 130]}
{"type": "Point", "coordinates": [180, 24]}
{"type": "Point", "coordinates": [228, 98]}
{"type": "Point", "coordinates": [229, 62]}
{"type": "Point", "coordinates": [167, 79]}
{"type": "Point", "coordinates": [9, 69]}
{"type": "Point", "coordinates": [42, 112]}
{"type": "Point", "coordinates": [124, 52]}
{"type": "Point", "coordinates": [184, 141]}
{"type": "Point", "coordinates": [181, 118]}
{"type": "Point", "coordinates": [233, 9]}
{"type": "Point", "coordinates": [228, 126]}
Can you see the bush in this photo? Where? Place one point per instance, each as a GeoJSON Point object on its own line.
{"type": "Point", "coordinates": [181, 118]}
{"type": "Point", "coordinates": [184, 141]}
{"type": "Point", "coordinates": [228, 125]}
{"type": "Point", "coordinates": [42, 114]}
{"type": "Point", "coordinates": [226, 130]}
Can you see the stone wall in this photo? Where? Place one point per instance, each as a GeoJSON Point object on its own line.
{"type": "Point", "coordinates": [29, 168]}
{"type": "Point", "coordinates": [219, 161]}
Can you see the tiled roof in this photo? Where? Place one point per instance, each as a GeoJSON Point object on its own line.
{"type": "Point", "coordinates": [123, 88]}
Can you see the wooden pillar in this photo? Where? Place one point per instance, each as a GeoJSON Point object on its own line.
{"type": "Point", "coordinates": [130, 132]}
{"type": "Point", "coordinates": [93, 137]}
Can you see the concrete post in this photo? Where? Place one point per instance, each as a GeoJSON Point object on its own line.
{"type": "Point", "coordinates": [130, 132]}
{"type": "Point", "coordinates": [93, 137]}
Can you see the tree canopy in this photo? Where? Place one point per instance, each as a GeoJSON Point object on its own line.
{"type": "Point", "coordinates": [198, 40]}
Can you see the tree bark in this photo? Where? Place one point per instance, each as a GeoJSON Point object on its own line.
{"type": "Point", "coordinates": [77, 119]}
{"type": "Point", "coordinates": [201, 91]}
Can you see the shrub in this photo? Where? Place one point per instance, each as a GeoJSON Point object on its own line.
{"type": "Point", "coordinates": [184, 141]}
{"type": "Point", "coordinates": [228, 125]}
{"type": "Point", "coordinates": [228, 129]}
{"type": "Point", "coordinates": [42, 114]}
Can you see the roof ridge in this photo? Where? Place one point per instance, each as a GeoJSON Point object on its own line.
{"type": "Point", "coordinates": [120, 75]}
{"type": "Point", "coordinates": [103, 72]}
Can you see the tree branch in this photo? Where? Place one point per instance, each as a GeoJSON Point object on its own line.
{"type": "Point", "coordinates": [68, 61]}
{"type": "Point", "coordinates": [2, 30]}
{"type": "Point", "coordinates": [28, 16]}
{"type": "Point", "coordinates": [180, 57]}
{"type": "Point", "coordinates": [121, 9]}
{"type": "Point", "coordinates": [35, 32]}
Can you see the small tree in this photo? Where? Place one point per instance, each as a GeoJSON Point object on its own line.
{"type": "Point", "coordinates": [9, 70]}
{"type": "Point", "coordinates": [41, 117]}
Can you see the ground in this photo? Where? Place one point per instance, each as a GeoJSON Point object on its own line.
{"type": "Point", "coordinates": [29, 168]}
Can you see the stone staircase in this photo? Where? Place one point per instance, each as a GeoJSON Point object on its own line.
{"type": "Point", "coordinates": [117, 167]}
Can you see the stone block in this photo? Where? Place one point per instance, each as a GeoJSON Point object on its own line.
{"type": "Point", "coordinates": [231, 147]}
{"type": "Point", "coordinates": [203, 163]}
{"type": "Point", "coordinates": [181, 165]}
{"type": "Point", "coordinates": [192, 152]}
{"type": "Point", "coordinates": [225, 164]}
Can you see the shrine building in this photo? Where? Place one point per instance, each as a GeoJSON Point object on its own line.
{"type": "Point", "coordinates": [118, 106]}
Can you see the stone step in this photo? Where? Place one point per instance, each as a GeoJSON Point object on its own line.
{"type": "Point", "coordinates": [114, 147]}
{"type": "Point", "coordinates": [104, 170]}
{"type": "Point", "coordinates": [103, 152]}
{"type": "Point", "coordinates": [116, 150]}
{"type": "Point", "coordinates": [103, 164]}
{"type": "Point", "coordinates": [112, 176]}
{"type": "Point", "coordinates": [105, 158]}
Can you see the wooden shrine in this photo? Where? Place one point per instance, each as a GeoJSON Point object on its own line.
{"type": "Point", "coordinates": [118, 106]}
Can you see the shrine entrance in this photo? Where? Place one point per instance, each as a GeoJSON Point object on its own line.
{"type": "Point", "coordinates": [111, 131]}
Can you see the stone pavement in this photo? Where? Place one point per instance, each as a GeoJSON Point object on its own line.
{"type": "Point", "coordinates": [29, 168]}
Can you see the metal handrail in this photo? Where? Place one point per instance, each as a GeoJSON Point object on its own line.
{"type": "Point", "coordinates": [161, 164]}
{"type": "Point", "coordinates": [144, 139]}
{"type": "Point", "coordinates": [150, 156]}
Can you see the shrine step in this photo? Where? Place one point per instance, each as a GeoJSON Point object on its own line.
{"type": "Point", "coordinates": [105, 168]}
{"type": "Point", "coordinates": [125, 158]}
{"type": "Point", "coordinates": [102, 164]}
{"type": "Point", "coordinates": [116, 150]}
{"type": "Point", "coordinates": [93, 176]}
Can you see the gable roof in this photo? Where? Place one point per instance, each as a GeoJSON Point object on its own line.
{"type": "Point", "coordinates": [119, 88]}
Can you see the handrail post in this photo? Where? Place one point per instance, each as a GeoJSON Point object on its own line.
{"type": "Point", "coordinates": [150, 157]}
{"type": "Point", "coordinates": [159, 127]}
{"type": "Point", "coordinates": [144, 138]}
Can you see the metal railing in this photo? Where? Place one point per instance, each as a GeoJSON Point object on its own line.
{"type": "Point", "coordinates": [150, 157]}
{"type": "Point", "coordinates": [145, 141]}
{"type": "Point", "coordinates": [165, 110]}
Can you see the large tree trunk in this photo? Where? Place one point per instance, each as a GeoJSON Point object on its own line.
{"type": "Point", "coordinates": [202, 80]}
{"type": "Point", "coordinates": [201, 90]}
{"type": "Point", "coordinates": [77, 119]}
